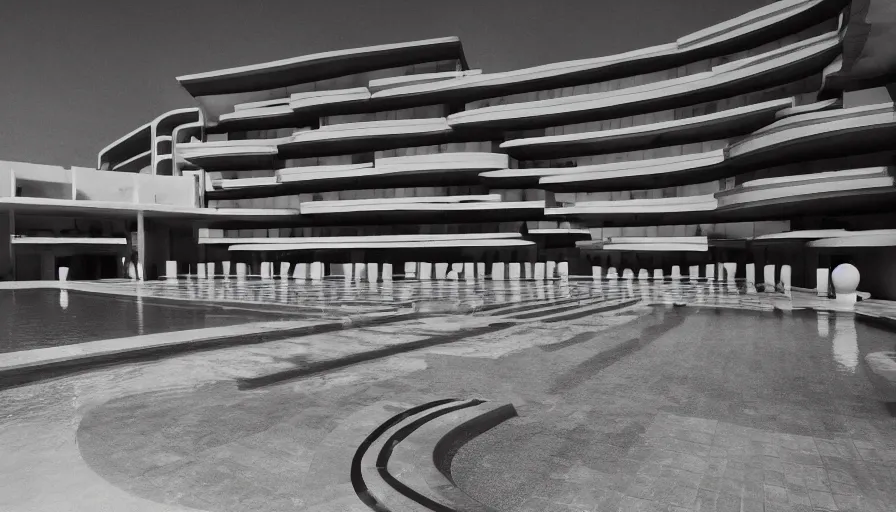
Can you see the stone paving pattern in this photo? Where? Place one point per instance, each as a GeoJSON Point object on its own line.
{"type": "Point", "coordinates": [646, 408]}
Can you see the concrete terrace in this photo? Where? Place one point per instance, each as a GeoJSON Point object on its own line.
{"type": "Point", "coordinates": [735, 402]}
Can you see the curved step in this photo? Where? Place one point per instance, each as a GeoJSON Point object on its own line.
{"type": "Point", "coordinates": [401, 465]}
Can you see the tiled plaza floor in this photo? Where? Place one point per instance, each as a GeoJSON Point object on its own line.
{"type": "Point", "coordinates": [646, 408]}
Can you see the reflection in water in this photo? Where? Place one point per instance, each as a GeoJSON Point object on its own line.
{"type": "Point", "coordinates": [139, 306]}
{"type": "Point", "coordinates": [63, 299]}
{"type": "Point", "coordinates": [824, 324]}
{"type": "Point", "coordinates": [845, 343]}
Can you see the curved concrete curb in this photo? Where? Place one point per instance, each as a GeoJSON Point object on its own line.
{"type": "Point", "coordinates": [404, 464]}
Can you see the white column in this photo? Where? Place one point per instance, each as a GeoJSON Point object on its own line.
{"type": "Point", "coordinates": [171, 269]}
{"type": "Point", "coordinates": [676, 273]}
{"type": "Point", "coordinates": [242, 270]}
{"type": "Point", "coordinates": [539, 271]}
{"type": "Point", "coordinates": [658, 274]}
{"type": "Point", "coordinates": [225, 268]}
{"type": "Point", "coordinates": [612, 273]}
{"type": "Point", "coordinates": [628, 274]}
{"type": "Point", "coordinates": [360, 271]}
{"type": "Point", "coordinates": [63, 274]}
{"type": "Point", "coordinates": [710, 272]}
{"type": "Point", "coordinates": [301, 271]}
{"type": "Point", "coordinates": [387, 272]}
{"type": "Point", "coordinates": [348, 271]}
{"type": "Point", "coordinates": [373, 272]}
{"type": "Point", "coordinates": [750, 271]}
{"type": "Point", "coordinates": [549, 268]}
{"type": "Point", "coordinates": [513, 271]}
{"type": "Point", "coordinates": [469, 271]}
{"type": "Point", "coordinates": [425, 271]}
{"type": "Point", "coordinates": [768, 277]}
{"type": "Point", "coordinates": [266, 270]}
{"type": "Point", "coordinates": [730, 272]}
{"type": "Point", "coordinates": [694, 272]}
{"type": "Point", "coordinates": [410, 270]}
{"type": "Point", "coordinates": [441, 271]}
{"type": "Point", "coordinates": [452, 275]}
{"type": "Point", "coordinates": [643, 275]}
{"type": "Point", "coordinates": [317, 271]}
{"type": "Point", "coordinates": [527, 270]}
{"type": "Point", "coordinates": [563, 270]}
{"type": "Point", "coordinates": [596, 273]}
{"type": "Point", "coordinates": [480, 270]}
{"type": "Point", "coordinates": [457, 267]}
{"type": "Point", "coordinates": [210, 269]}
{"type": "Point", "coordinates": [284, 270]}
{"type": "Point", "coordinates": [201, 271]}
{"type": "Point", "coordinates": [822, 276]}
{"type": "Point", "coordinates": [498, 271]}
{"type": "Point", "coordinates": [786, 277]}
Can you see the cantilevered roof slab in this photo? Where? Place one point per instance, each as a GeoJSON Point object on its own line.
{"type": "Point", "coordinates": [321, 66]}
{"type": "Point", "coordinates": [753, 29]}
{"type": "Point", "coordinates": [792, 62]}
{"type": "Point", "coordinates": [718, 125]}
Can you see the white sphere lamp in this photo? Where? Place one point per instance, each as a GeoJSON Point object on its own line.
{"type": "Point", "coordinates": [846, 281]}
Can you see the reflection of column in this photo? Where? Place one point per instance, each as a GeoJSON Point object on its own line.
{"type": "Point", "coordinates": [824, 324]}
{"type": "Point", "coordinates": [63, 299]}
{"type": "Point", "coordinates": [846, 343]}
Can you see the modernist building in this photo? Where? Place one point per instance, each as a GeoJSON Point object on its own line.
{"type": "Point", "coordinates": [754, 148]}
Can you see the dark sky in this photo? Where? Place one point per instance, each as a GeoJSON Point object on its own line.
{"type": "Point", "coordinates": [77, 74]}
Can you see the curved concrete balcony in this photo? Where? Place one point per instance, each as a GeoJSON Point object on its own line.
{"type": "Point", "coordinates": [442, 169]}
{"type": "Point", "coordinates": [403, 210]}
{"type": "Point", "coordinates": [792, 62]}
{"type": "Point", "coordinates": [232, 154]}
{"type": "Point", "coordinates": [647, 244]}
{"type": "Point", "coordinates": [368, 136]}
{"type": "Point", "coordinates": [718, 125]}
{"type": "Point", "coordinates": [299, 109]}
{"type": "Point", "coordinates": [359, 238]}
{"type": "Point", "coordinates": [751, 30]}
{"type": "Point", "coordinates": [639, 174]}
{"type": "Point", "coordinates": [383, 84]}
{"type": "Point", "coordinates": [631, 212]}
{"type": "Point", "coordinates": [797, 237]}
{"type": "Point", "coordinates": [67, 240]}
{"type": "Point", "coordinates": [857, 239]}
{"type": "Point", "coordinates": [321, 66]}
{"type": "Point", "coordinates": [817, 135]}
{"type": "Point", "coordinates": [850, 191]}
{"type": "Point", "coordinates": [386, 242]}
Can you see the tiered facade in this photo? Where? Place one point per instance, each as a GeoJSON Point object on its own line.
{"type": "Point", "coordinates": [748, 147]}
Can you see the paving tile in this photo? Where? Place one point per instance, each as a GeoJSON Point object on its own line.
{"type": "Point", "coordinates": [822, 500]}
